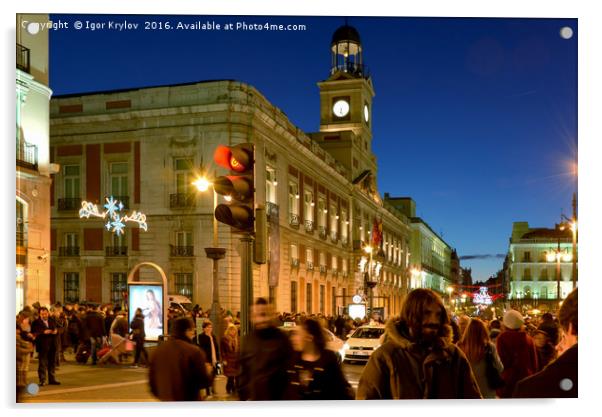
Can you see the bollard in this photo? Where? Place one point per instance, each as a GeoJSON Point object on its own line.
{"type": "Point", "coordinates": [219, 387]}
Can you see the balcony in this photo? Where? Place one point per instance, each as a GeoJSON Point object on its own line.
{"type": "Point", "coordinates": [66, 204]}
{"type": "Point", "coordinates": [182, 200]}
{"type": "Point", "coordinates": [334, 237]}
{"type": "Point", "coordinates": [322, 232]}
{"type": "Point", "coordinates": [309, 266]}
{"type": "Point", "coordinates": [293, 220]}
{"type": "Point", "coordinates": [272, 211]}
{"type": "Point", "coordinates": [69, 251]}
{"type": "Point", "coordinates": [345, 274]}
{"type": "Point", "coordinates": [357, 245]}
{"type": "Point", "coordinates": [353, 68]}
{"type": "Point", "coordinates": [295, 262]}
{"type": "Point", "coordinates": [23, 54]}
{"type": "Point", "coordinates": [345, 241]}
{"type": "Point", "coordinates": [123, 199]}
{"type": "Point", "coordinates": [181, 251]}
{"type": "Point", "coordinates": [27, 155]}
{"type": "Point", "coordinates": [309, 226]}
{"type": "Point", "coordinates": [335, 272]}
{"type": "Point", "coordinates": [322, 269]}
{"type": "Point", "coordinates": [116, 251]}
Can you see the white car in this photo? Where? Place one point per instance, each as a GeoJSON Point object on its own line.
{"type": "Point", "coordinates": [362, 342]}
{"type": "Point", "coordinates": [332, 342]}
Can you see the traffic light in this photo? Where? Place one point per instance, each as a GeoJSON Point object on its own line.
{"type": "Point", "coordinates": [240, 186]}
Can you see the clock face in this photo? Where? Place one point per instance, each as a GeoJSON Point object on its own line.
{"type": "Point", "coordinates": [357, 298]}
{"type": "Point", "coordinates": [366, 113]}
{"type": "Point", "coordinates": [341, 108]}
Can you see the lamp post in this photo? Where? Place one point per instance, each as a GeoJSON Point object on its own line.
{"type": "Point", "coordinates": [450, 289]}
{"type": "Point", "coordinates": [215, 254]}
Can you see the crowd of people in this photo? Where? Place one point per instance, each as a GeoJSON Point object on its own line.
{"type": "Point", "coordinates": [424, 352]}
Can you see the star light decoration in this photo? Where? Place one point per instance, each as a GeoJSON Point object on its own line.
{"type": "Point", "coordinates": [482, 297]}
{"type": "Point", "coordinates": [115, 221]}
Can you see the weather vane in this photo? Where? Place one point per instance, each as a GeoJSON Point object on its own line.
{"type": "Point", "coordinates": [115, 221]}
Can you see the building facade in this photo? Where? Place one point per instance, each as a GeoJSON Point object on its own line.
{"type": "Point", "coordinates": [32, 163]}
{"type": "Point", "coordinates": [538, 259]}
{"type": "Point", "coordinates": [146, 146]}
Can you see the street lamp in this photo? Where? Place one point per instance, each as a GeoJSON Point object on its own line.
{"type": "Point", "coordinates": [215, 254]}
{"type": "Point", "coordinates": [450, 290]}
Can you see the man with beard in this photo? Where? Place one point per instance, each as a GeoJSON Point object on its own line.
{"type": "Point", "coordinates": [417, 359]}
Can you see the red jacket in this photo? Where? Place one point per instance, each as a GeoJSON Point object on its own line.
{"type": "Point", "coordinates": [519, 357]}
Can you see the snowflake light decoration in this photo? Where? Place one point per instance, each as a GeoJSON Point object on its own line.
{"type": "Point", "coordinates": [482, 297]}
{"type": "Point", "coordinates": [115, 221]}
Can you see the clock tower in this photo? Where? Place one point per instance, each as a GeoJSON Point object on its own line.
{"type": "Point", "coordinates": [346, 105]}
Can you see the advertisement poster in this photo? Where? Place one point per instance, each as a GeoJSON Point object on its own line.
{"type": "Point", "coordinates": [149, 298]}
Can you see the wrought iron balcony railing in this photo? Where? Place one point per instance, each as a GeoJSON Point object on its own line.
{"type": "Point", "coordinates": [322, 269]}
{"type": "Point", "coordinates": [182, 200]}
{"type": "Point", "coordinates": [70, 203]}
{"type": "Point", "coordinates": [294, 220]}
{"type": "Point", "coordinates": [27, 155]}
{"type": "Point", "coordinates": [295, 262]}
{"type": "Point", "coordinates": [272, 211]}
{"type": "Point", "coordinates": [309, 266]}
{"type": "Point", "coordinates": [322, 232]}
{"type": "Point", "coordinates": [116, 251]}
{"type": "Point", "coordinates": [334, 237]}
{"type": "Point", "coordinates": [181, 251]}
{"type": "Point", "coordinates": [23, 55]}
{"type": "Point", "coordinates": [345, 240]}
{"type": "Point", "coordinates": [309, 226]}
{"type": "Point", "coordinates": [69, 251]}
{"type": "Point", "coordinates": [353, 68]}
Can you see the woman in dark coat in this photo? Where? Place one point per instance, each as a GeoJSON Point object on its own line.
{"type": "Point", "coordinates": [315, 373]}
{"type": "Point", "coordinates": [138, 335]}
{"type": "Point", "coordinates": [230, 350]}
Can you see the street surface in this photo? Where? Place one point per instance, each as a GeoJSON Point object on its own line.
{"type": "Point", "coordinates": [114, 383]}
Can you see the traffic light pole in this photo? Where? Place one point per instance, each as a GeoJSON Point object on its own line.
{"type": "Point", "coordinates": [246, 283]}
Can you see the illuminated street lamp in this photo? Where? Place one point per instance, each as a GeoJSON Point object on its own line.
{"type": "Point", "coordinates": [215, 254]}
{"type": "Point", "coordinates": [450, 290]}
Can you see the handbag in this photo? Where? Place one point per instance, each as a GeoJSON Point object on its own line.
{"type": "Point", "coordinates": [494, 379]}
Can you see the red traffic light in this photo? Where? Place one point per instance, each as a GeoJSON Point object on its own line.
{"type": "Point", "coordinates": [237, 158]}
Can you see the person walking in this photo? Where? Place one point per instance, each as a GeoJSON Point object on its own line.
{"type": "Point", "coordinates": [314, 373]}
{"type": "Point", "coordinates": [45, 332]}
{"type": "Point", "coordinates": [208, 343]}
{"type": "Point", "coordinates": [418, 359]}
{"type": "Point", "coordinates": [559, 378]}
{"type": "Point", "coordinates": [265, 355]}
{"type": "Point", "coordinates": [95, 330]}
{"type": "Point", "coordinates": [230, 351]}
{"type": "Point", "coordinates": [138, 336]}
{"type": "Point", "coordinates": [482, 355]}
{"type": "Point", "coordinates": [177, 369]}
{"type": "Point", "coordinates": [24, 348]}
{"type": "Point", "coordinates": [517, 352]}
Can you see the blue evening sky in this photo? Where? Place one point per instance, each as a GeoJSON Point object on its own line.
{"type": "Point", "coordinates": [475, 119]}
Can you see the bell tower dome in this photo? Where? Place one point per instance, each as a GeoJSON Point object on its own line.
{"type": "Point", "coordinates": [346, 52]}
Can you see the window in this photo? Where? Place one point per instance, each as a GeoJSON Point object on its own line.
{"type": "Point", "coordinates": [527, 257]}
{"type": "Point", "coordinates": [71, 181]}
{"type": "Point", "coordinates": [544, 292]}
{"type": "Point", "coordinates": [334, 219]}
{"type": "Point", "coordinates": [272, 296]}
{"type": "Point", "coordinates": [293, 297]}
{"type": "Point", "coordinates": [322, 211]}
{"type": "Point", "coordinates": [294, 251]}
{"type": "Point", "coordinates": [323, 259]}
{"type": "Point", "coordinates": [270, 185]}
{"type": "Point", "coordinates": [308, 299]}
{"type": "Point", "coordinates": [183, 239]}
{"type": "Point", "coordinates": [344, 225]}
{"type": "Point", "coordinates": [344, 266]}
{"type": "Point", "coordinates": [119, 179]}
{"type": "Point", "coordinates": [71, 287]}
{"type": "Point", "coordinates": [322, 296]}
{"type": "Point", "coordinates": [527, 274]}
{"type": "Point", "coordinates": [183, 169]}
{"type": "Point", "coordinates": [308, 206]}
{"type": "Point", "coordinates": [119, 285]}
{"type": "Point", "coordinates": [309, 257]}
{"type": "Point", "coordinates": [335, 263]}
{"type": "Point", "coordinates": [544, 275]}
{"type": "Point", "coordinates": [293, 198]}
{"type": "Point", "coordinates": [71, 240]}
{"type": "Point", "coordinates": [334, 301]}
{"type": "Point", "coordinates": [183, 284]}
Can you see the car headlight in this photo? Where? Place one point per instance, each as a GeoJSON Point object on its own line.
{"type": "Point", "coordinates": [346, 346]}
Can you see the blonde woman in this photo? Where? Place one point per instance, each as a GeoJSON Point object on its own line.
{"type": "Point", "coordinates": [230, 350]}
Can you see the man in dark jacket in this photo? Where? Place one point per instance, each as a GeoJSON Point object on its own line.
{"type": "Point", "coordinates": [417, 359]}
{"type": "Point", "coordinates": [45, 332]}
{"type": "Point", "coordinates": [208, 343]}
{"type": "Point", "coordinates": [177, 369]}
{"type": "Point", "coordinates": [95, 326]}
{"type": "Point", "coordinates": [559, 378]}
{"type": "Point", "coordinates": [265, 356]}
